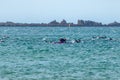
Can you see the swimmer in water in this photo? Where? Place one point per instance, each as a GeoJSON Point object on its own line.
{"type": "Point", "coordinates": [78, 41]}
{"type": "Point", "coordinates": [99, 37]}
{"type": "Point", "coordinates": [102, 37]}
{"type": "Point", "coordinates": [5, 37]}
{"type": "Point", "coordinates": [110, 39]}
{"type": "Point", "coordinates": [62, 40]}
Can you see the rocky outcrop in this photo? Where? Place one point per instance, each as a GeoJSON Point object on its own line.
{"type": "Point", "coordinates": [88, 23]}
{"type": "Point", "coordinates": [114, 24]}
{"type": "Point", "coordinates": [63, 23]}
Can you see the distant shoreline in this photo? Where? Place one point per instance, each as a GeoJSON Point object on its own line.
{"type": "Point", "coordinates": [63, 23]}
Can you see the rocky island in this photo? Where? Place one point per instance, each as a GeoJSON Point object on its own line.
{"type": "Point", "coordinates": [63, 23]}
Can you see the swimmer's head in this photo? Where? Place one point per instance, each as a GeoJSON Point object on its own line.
{"type": "Point", "coordinates": [62, 40]}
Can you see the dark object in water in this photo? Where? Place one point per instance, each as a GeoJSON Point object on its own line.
{"type": "Point", "coordinates": [99, 37]}
{"type": "Point", "coordinates": [62, 40]}
{"type": "Point", "coordinates": [102, 37]}
{"type": "Point", "coordinates": [78, 41]}
{"type": "Point", "coordinates": [110, 39]}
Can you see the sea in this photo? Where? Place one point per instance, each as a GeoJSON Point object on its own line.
{"type": "Point", "coordinates": [34, 53]}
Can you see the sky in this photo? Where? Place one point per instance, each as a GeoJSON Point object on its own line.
{"type": "Point", "coordinates": [38, 11]}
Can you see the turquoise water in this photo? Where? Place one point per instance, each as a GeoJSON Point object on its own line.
{"type": "Point", "coordinates": [24, 55]}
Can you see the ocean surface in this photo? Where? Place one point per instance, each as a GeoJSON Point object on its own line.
{"type": "Point", "coordinates": [30, 53]}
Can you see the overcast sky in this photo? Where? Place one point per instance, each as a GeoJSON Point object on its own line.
{"type": "Point", "coordinates": [47, 10]}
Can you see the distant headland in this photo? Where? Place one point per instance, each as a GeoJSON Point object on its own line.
{"type": "Point", "coordinates": [63, 23]}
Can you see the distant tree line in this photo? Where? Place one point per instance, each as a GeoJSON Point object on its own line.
{"type": "Point", "coordinates": [62, 23]}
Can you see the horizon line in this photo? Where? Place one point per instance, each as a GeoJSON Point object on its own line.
{"type": "Point", "coordinates": [59, 21]}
